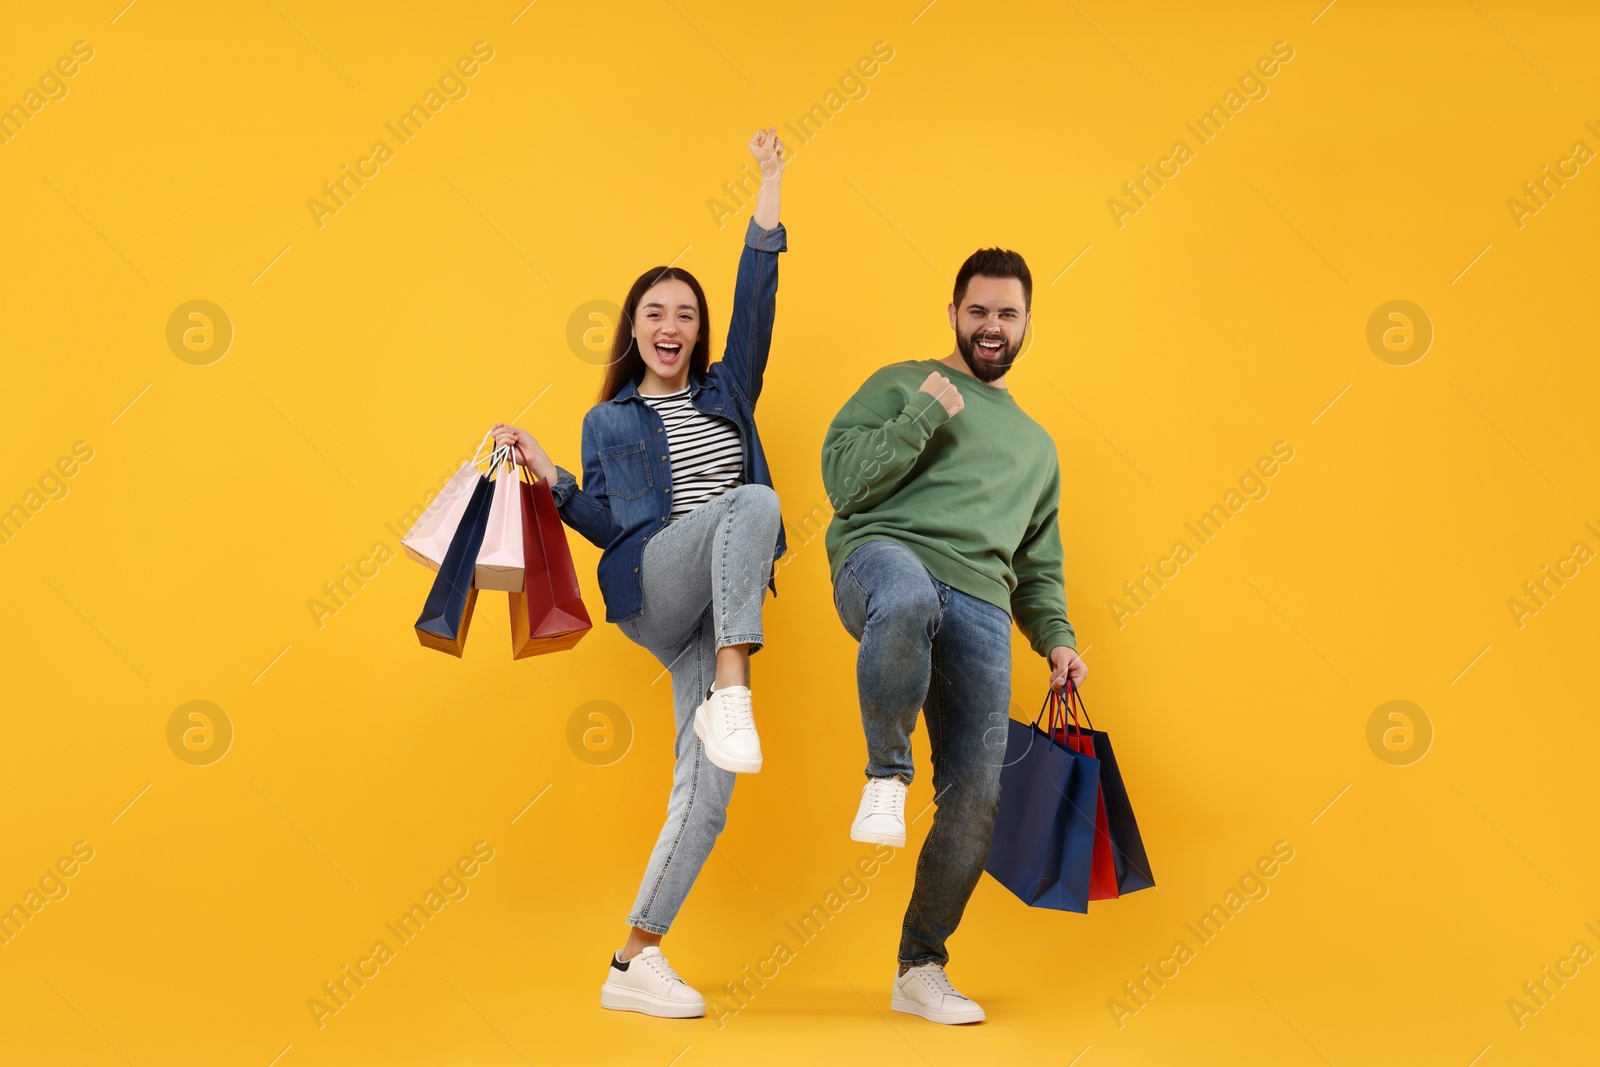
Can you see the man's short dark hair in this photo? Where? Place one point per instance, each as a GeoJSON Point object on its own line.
{"type": "Point", "coordinates": [995, 263]}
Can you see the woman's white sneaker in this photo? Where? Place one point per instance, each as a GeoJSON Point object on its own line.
{"type": "Point", "coordinates": [926, 991]}
{"type": "Point", "coordinates": [647, 983]}
{"type": "Point", "coordinates": [725, 726]}
{"type": "Point", "coordinates": [881, 818]}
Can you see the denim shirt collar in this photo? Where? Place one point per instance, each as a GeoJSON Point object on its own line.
{"type": "Point", "coordinates": [631, 389]}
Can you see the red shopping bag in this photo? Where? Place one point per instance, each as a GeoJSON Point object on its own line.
{"type": "Point", "coordinates": [548, 614]}
{"type": "Point", "coordinates": [1103, 874]}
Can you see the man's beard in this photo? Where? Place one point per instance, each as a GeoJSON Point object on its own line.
{"type": "Point", "coordinates": [981, 367]}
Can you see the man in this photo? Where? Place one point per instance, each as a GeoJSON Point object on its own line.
{"type": "Point", "coordinates": [946, 498]}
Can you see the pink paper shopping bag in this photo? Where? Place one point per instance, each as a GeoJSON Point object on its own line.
{"type": "Point", "coordinates": [429, 537]}
{"type": "Point", "coordinates": [500, 559]}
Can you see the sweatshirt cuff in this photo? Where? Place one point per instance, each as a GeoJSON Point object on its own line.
{"type": "Point", "coordinates": [925, 408]}
{"type": "Point", "coordinates": [773, 240]}
{"type": "Point", "coordinates": [1055, 637]}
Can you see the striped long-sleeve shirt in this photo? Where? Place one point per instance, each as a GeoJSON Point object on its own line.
{"type": "Point", "coordinates": [707, 456]}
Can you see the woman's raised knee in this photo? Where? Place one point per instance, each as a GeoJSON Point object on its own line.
{"type": "Point", "coordinates": [757, 496]}
{"type": "Point", "coordinates": [756, 506]}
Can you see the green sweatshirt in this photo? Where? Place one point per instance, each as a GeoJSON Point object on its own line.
{"type": "Point", "coordinates": [975, 496]}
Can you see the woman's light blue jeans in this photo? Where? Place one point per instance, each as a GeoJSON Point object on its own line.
{"type": "Point", "coordinates": [705, 579]}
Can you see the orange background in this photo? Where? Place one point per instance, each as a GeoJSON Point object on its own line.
{"type": "Point", "coordinates": [1230, 312]}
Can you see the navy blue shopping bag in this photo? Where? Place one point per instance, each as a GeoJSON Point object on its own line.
{"type": "Point", "coordinates": [1128, 856]}
{"type": "Point", "coordinates": [448, 610]}
{"type": "Point", "coordinates": [1043, 844]}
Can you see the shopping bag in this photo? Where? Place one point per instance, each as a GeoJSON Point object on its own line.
{"type": "Point", "coordinates": [1043, 844]}
{"type": "Point", "coordinates": [429, 537]}
{"type": "Point", "coordinates": [1102, 875]}
{"type": "Point", "coordinates": [500, 557]}
{"type": "Point", "coordinates": [548, 614]}
{"type": "Point", "coordinates": [448, 610]}
{"type": "Point", "coordinates": [1123, 840]}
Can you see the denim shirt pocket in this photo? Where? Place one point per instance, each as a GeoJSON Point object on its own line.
{"type": "Point", "coordinates": [627, 471]}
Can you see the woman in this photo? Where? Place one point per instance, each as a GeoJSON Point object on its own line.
{"type": "Point", "coordinates": [677, 494]}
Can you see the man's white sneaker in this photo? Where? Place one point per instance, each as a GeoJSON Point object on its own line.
{"type": "Point", "coordinates": [881, 818]}
{"type": "Point", "coordinates": [925, 990]}
{"type": "Point", "coordinates": [725, 726]}
{"type": "Point", "coordinates": [648, 983]}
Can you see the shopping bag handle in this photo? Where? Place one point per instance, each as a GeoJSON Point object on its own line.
{"type": "Point", "coordinates": [1068, 703]}
{"type": "Point", "coordinates": [506, 454]}
{"type": "Point", "coordinates": [534, 479]}
{"type": "Point", "coordinates": [495, 459]}
{"type": "Point", "coordinates": [479, 450]}
{"type": "Point", "coordinates": [1049, 703]}
{"type": "Point", "coordinates": [498, 456]}
{"type": "Point", "coordinates": [1056, 704]}
{"type": "Point", "coordinates": [1067, 709]}
{"type": "Point", "coordinates": [1074, 693]}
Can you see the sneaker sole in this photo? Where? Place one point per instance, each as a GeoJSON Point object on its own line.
{"type": "Point", "coordinates": [911, 1007]}
{"type": "Point", "coordinates": [877, 839]}
{"type": "Point", "coordinates": [716, 754]}
{"type": "Point", "coordinates": [632, 1000]}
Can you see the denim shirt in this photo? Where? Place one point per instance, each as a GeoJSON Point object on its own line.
{"type": "Point", "coordinates": [627, 465]}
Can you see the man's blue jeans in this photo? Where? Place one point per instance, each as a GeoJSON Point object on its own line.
{"type": "Point", "coordinates": [927, 646]}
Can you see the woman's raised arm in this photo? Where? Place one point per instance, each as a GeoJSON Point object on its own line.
{"type": "Point", "coordinates": [768, 151]}
{"type": "Point", "coordinates": [755, 290]}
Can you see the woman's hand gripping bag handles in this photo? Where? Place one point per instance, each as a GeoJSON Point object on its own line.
{"type": "Point", "coordinates": [548, 614]}
{"type": "Point", "coordinates": [1118, 843]}
{"type": "Point", "coordinates": [1043, 844]}
{"type": "Point", "coordinates": [448, 610]}
{"type": "Point", "coordinates": [429, 537]}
